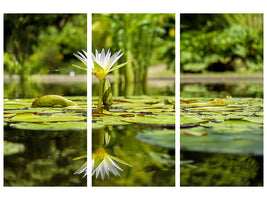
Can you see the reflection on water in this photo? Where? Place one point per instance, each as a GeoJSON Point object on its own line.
{"type": "Point", "coordinates": [221, 90]}
{"type": "Point", "coordinates": [139, 89]}
{"type": "Point", "coordinates": [48, 156]}
{"type": "Point", "coordinates": [47, 159]}
{"type": "Point", "coordinates": [35, 89]}
{"type": "Point", "coordinates": [214, 169]}
{"type": "Point", "coordinates": [141, 164]}
{"type": "Point", "coordinates": [102, 162]}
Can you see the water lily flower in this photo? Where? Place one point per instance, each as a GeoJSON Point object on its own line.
{"type": "Point", "coordinates": [103, 64]}
{"type": "Point", "coordinates": [103, 163]}
{"type": "Point", "coordinates": [83, 58]}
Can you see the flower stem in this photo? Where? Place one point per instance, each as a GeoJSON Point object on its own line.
{"type": "Point", "coordinates": [101, 84]}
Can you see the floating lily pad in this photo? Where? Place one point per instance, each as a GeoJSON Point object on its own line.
{"type": "Point", "coordinates": [58, 126]}
{"type": "Point", "coordinates": [163, 120]}
{"type": "Point", "coordinates": [220, 143]}
{"type": "Point", "coordinates": [55, 101]}
{"type": "Point", "coordinates": [143, 110]}
{"type": "Point", "coordinates": [11, 148]}
{"type": "Point", "coordinates": [235, 126]}
{"type": "Point", "coordinates": [31, 117]}
{"type": "Point", "coordinates": [163, 138]}
{"type": "Point", "coordinates": [19, 114]}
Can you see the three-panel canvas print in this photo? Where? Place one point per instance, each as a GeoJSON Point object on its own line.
{"type": "Point", "coordinates": [155, 111]}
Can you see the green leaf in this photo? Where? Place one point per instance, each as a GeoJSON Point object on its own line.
{"type": "Point", "coordinates": [117, 67]}
{"type": "Point", "coordinates": [97, 68]}
{"type": "Point", "coordinates": [82, 68]}
{"type": "Point", "coordinates": [80, 157]}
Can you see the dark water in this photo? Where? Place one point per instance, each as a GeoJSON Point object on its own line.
{"type": "Point", "coordinates": [149, 90]}
{"type": "Point", "coordinates": [151, 165]}
{"type": "Point", "coordinates": [34, 89]}
{"type": "Point", "coordinates": [221, 90]}
{"type": "Point", "coordinates": [47, 158]}
{"type": "Point", "coordinates": [214, 169]}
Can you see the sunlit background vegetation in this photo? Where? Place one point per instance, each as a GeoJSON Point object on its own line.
{"type": "Point", "coordinates": [41, 44]}
{"type": "Point", "coordinates": [221, 42]}
{"type": "Point", "coordinates": [221, 55]}
{"type": "Point", "coordinates": [145, 39]}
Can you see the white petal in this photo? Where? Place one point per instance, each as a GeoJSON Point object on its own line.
{"type": "Point", "coordinates": [114, 164]}
{"type": "Point", "coordinates": [113, 167]}
{"type": "Point", "coordinates": [102, 170]}
{"type": "Point", "coordinates": [102, 58]}
{"type": "Point", "coordinates": [97, 172]}
{"type": "Point", "coordinates": [115, 60]}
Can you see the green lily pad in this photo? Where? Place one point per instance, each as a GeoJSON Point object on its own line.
{"type": "Point", "coordinates": [19, 114]}
{"type": "Point", "coordinates": [52, 101]}
{"type": "Point", "coordinates": [11, 148]}
{"type": "Point", "coordinates": [163, 138]}
{"type": "Point", "coordinates": [220, 143]}
{"type": "Point", "coordinates": [143, 110]}
{"type": "Point", "coordinates": [235, 127]}
{"type": "Point", "coordinates": [163, 120]}
{"type": "Point", "coordinates": [31, 117]}
{"type": "Point", "coordinates": [58, 126]}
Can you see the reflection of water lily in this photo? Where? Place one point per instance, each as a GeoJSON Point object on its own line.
{"type": "Point", "coordinates": [103, 163]}
{"type": "Point", "coordinates": [83, 168]}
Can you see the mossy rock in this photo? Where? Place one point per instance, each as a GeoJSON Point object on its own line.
{"type": "Point", "coordinates": [54, 101]}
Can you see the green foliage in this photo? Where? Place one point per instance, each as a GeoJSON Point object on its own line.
{"type": "Point", "coordinates": [221, 43]}
{"type": "Point", "coordinates": [11, 65]}
{"type": "Point", "coordinates": [208, 169]}
{"type": "Point", "coordinates": [144, 38]}
{"type": "Point", "coordinates": [46, 49]}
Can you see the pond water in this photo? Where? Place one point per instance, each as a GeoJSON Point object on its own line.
{"type": "Point", "coordinates": [226, 155]}
{"type": "Point", "coordinates": [34, 89]}
{"type": "Point", "coordinates": [216, 169]}
{"type": "Point", "coordinates": [149, 90]}
{"type": "Point", "coordinates": [46, 157]}
{"type": "Point", "coordinates": [221, 90]}
{"type": "Point", "coordinates": [150, 164]}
